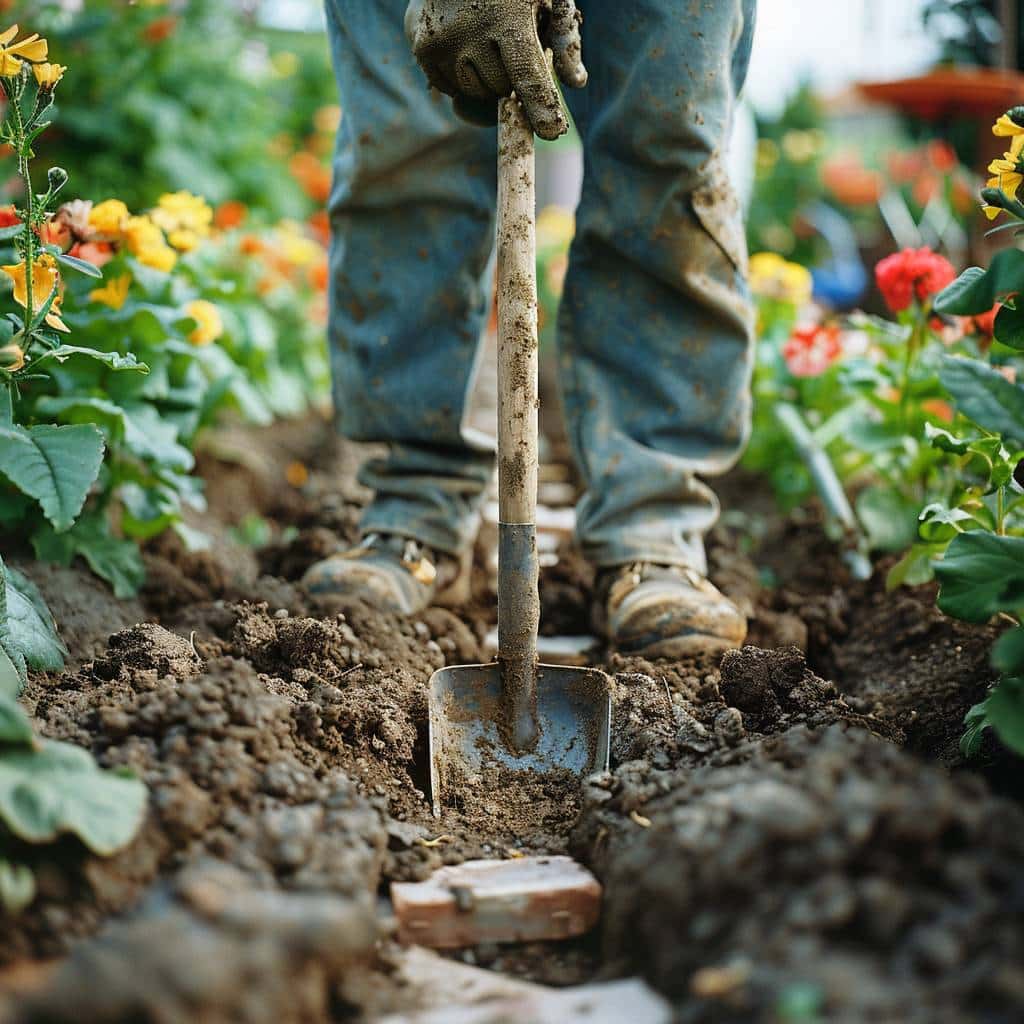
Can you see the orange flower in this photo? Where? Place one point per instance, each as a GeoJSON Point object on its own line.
{"type": "Point", "coordinates": [8, 217]}
{"type": "Point", "coordinates": [251, 245]}
{"type": "Point", "coordinates": [939, 409]}
{"type": "Point", "coordinates": [319, 275]}
{"type": "Point", "coordinates": [99, 254]}
{"type": "Point", "coordinates": [314, 178]}
{"type": "Point", "coordinates": [55, 232]}
{"type": "Point", "coordinates": [230, 215]}
{"type": "Point", "coordinates": [161, 29]}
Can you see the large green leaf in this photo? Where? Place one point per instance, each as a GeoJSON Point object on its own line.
{"type": "Point", "coordinates": [985, 396]}
{"type": "Point", "coordinates": [977, 290]}
{"type": "Point", "coordinates": [13, 669]}
{"type": "Point", "coordinates": [54, 465]}
{"type": "Point", "coordinates": [30, 624]}
{"type": "Point", "coordinates": [57, 788]}
{"type": "Point", "coordinates": [981, 574]}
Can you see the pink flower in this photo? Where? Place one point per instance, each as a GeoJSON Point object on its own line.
{"type": "Point", "coordinates": [912, 274]}
{"type": "Point", "coordinates": [812, 350]}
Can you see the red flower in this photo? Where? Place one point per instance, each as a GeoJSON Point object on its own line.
{"type": "Point", "coordinates": [913, 273]}
{"type": "Point", "coordinates": [8, 218]}
{"type": "Point", "coordinates": [812, 350]}
{"type": "Point", "coordinates": [984, 323]}
{"type": "Point", "coordinates": [942, 156]}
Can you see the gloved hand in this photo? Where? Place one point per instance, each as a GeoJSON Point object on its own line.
{"type": "Point", "coordinates": [478, 51]}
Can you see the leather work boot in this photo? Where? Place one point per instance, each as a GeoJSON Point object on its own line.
{"type": "Point", "coordinates": [392, 573]}
{"type": "Point", "coordinates": [665, 611]}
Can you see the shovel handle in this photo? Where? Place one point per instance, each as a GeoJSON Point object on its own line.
{"type": "Point", "coordinates": [518, 598]}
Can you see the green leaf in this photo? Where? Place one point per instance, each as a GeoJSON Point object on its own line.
{"type": "Point", "coordinates": [985, 396]}
{"type": "Point", "coordinates": [939, 525]}
{"type": "Point", "coordinates": [914, 568]}
{"type": "Point", "coordinates": [54, 465]}
{"type": "Point", "coordinates": [1008, 652]}
{"type": "Point", "coordinates": [10, 679]}
{"type": "Point", "coordinates": [30, 625]}
{"type": "Point", "coordinates": [57, 788]}
{"type": "Point", "coordinates": [82, 266]}
{"type": "Point", "coordinates": [889, 520]}
{"type": "Point", "coordinates": [981, 574]}
{"type": "Point", "coordinates": [115, 560]}
{"type": "Point", "coordinates": [1009, 326]}
{"type": "Point", "coordinates": [977, 290]}
{"type": "Point", "coordinates": [114, 360]}
{"type": "Point", "coordinates": [15, 728]}
{"type": "Point", "coordinates": [11, 232]}
{"type": "Point", "coordinates": [1004, 710]}
{"type": "Point", "coordinates": [17, 887]}
{"type": "Point", "coordinates": [976, 723]}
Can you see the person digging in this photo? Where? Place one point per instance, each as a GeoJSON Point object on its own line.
{"type": "Point", "coordinates": [655, 325]}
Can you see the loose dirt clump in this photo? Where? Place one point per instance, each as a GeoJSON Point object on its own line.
{"type": "Point", "coordinates": [823, 867]}
{"type": "Point", "coordinates": [232, 772]}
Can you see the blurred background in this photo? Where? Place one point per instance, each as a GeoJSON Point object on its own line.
{"type": "Point", "coordinates": [863, 128]}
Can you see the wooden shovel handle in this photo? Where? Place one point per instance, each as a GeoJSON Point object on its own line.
{"type": "Point", "coordinates": [518, 599]}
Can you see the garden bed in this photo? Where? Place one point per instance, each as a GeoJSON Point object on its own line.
{"type": "Point", "coordinates": [774, 845]}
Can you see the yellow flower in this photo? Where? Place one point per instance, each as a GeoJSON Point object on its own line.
{"type": "Point", "coordinates": [773, 277]}
{"type": "Point", "coordinates": [32, 49]}
{"type": "Point", "coordinates": [1006, 125]}
{"type": "Point", "coordinates": [207, 317]}
{"type": "Point", "coordinates": [114, 293]}
{"type": "Point", "coordinates": [48, 75]}
{"type": "Point", "coordinates": [186, 219]}
{"type": "Point", "coordinates": [12, 358]}
{"type": "Point", "coordinates": [183, 240]}
{"type": "Point", "coordinates": [45, 277]}
{"type": "Point", "coordinates": [109, 217]}
{"type": "Point", "coordinates": [555, 227]}
{"type": "Point", "coordinates": [147, 244]}
{"type": "Point", "coordinates": [1008, 174]}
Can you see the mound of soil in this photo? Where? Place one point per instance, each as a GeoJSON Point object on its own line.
{"type": "Point", "coordinates": [771, 846]}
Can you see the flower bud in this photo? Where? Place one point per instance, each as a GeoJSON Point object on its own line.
{"type": "Point", "coordinates": [12, 358]}
{"type": "Point", "coordinates": [57, 178]}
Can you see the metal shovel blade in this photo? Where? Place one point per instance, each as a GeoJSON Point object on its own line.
{"type": "Point", "coordinates": [468, 732]}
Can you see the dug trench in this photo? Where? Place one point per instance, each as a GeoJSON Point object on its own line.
{"type": "Point", "coordinates": [773, 845]}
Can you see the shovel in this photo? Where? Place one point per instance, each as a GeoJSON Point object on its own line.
{"type": "Point", "coordinates": [514, 717]}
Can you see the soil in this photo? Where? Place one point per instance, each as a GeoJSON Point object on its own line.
{"type": "Point", "coordinates": [789, 834]}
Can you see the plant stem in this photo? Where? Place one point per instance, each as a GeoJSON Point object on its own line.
{"type": "Point", "coordinates": [1000, 513]}
{"type": "Point", "coordinates": [6, 405]}
{"type": "Point", "coordinates": [26, 176]}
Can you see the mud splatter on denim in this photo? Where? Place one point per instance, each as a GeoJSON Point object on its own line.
{"type": "Point", "coordinates": [654, 341]}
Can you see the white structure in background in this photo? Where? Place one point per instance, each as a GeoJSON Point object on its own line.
{"type": "Point", "coordinates": [833, 44]}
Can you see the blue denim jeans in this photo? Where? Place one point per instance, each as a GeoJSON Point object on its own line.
{"type": "Point", "coordinates": [655, 326]}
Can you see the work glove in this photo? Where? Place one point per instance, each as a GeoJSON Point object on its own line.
{"type": "Point", "coordinates": [478, 51]}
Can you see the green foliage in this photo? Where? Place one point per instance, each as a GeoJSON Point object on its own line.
{"type": "Point", "coordinates": [194, 95]}
{"type": "Point", "coordinates": [28, 634]}
{"type": "Point", "coordinates": [49, 789]}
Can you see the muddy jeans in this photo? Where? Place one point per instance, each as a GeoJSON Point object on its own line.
{"type": "Point", "coordinates": [654, 346]}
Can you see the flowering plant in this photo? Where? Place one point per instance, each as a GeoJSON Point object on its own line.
{"type": "Point", "coordinates": [187, 321]}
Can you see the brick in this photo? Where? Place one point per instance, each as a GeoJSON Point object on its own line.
{"type": "Point", "coordinates": [522, 900]}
